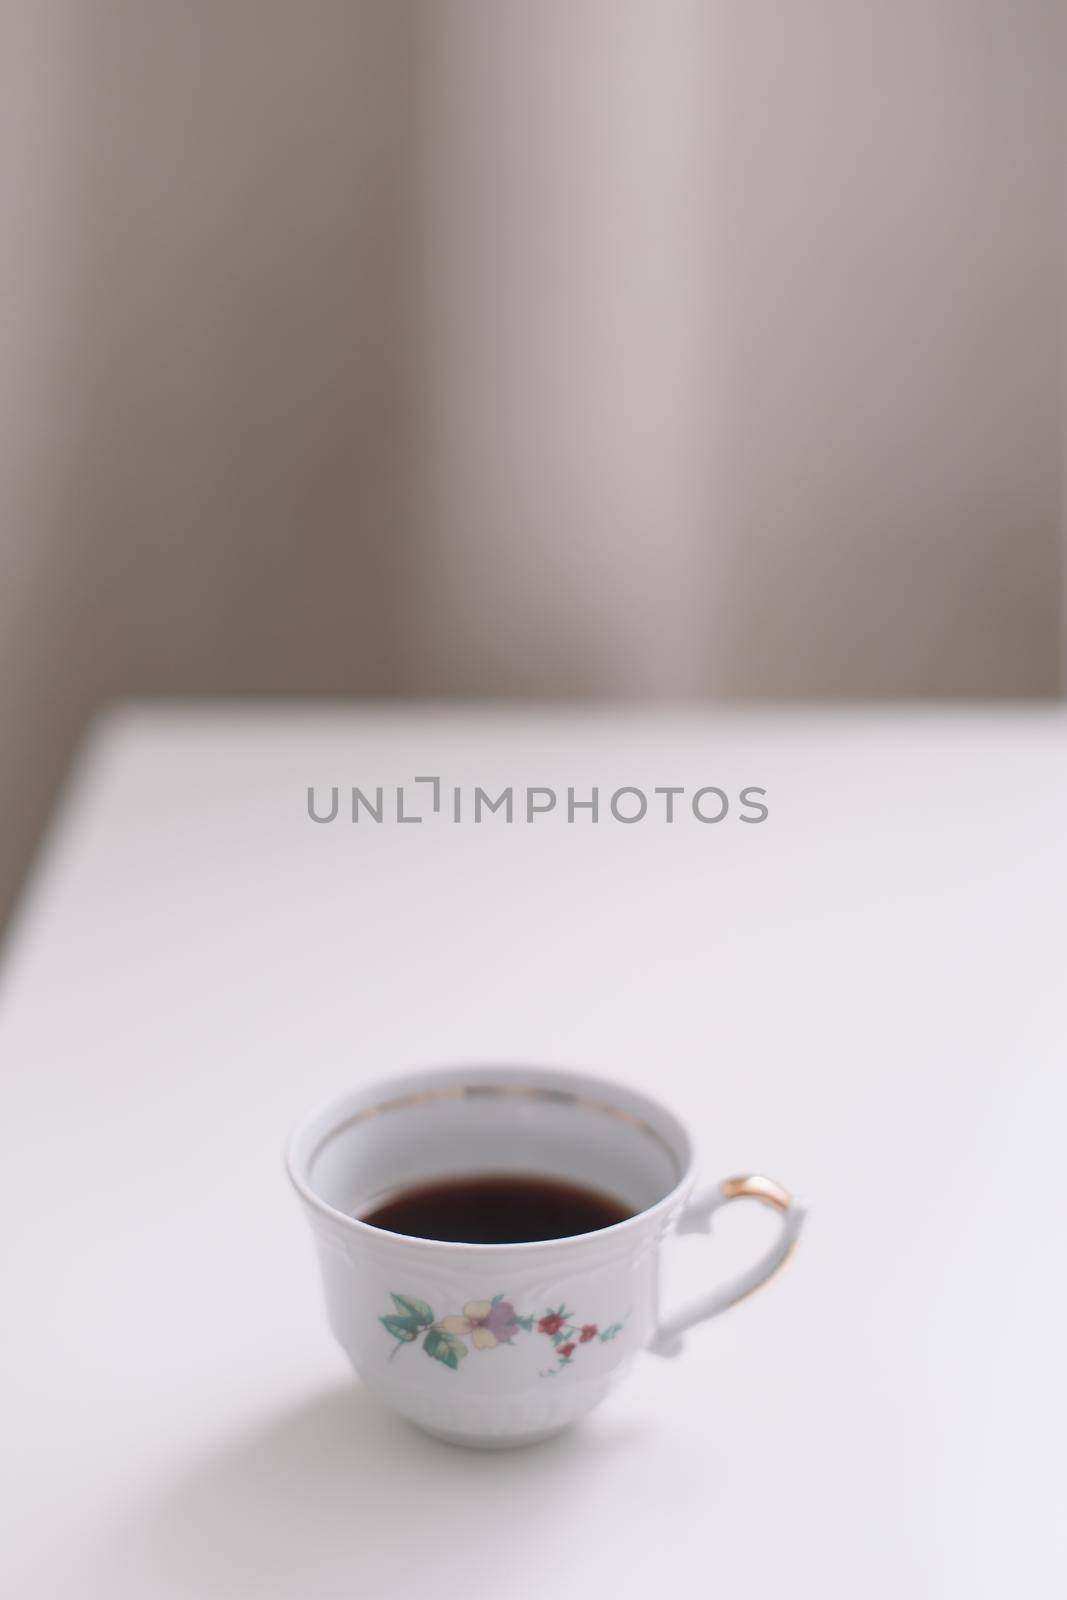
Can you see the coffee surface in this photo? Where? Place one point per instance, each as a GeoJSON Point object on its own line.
{"type": "Point", "coordinates": [497, 1208]}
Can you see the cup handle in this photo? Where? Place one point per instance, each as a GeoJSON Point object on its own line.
{"type": "Point", "coordinates": [696, 1218]}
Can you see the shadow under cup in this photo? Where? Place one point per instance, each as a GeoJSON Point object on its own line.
{"type": "Point", "coordinates": [577, 1309]}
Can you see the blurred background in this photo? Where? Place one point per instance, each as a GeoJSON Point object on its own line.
{"type": "Point", "coordinates": [602, 348]}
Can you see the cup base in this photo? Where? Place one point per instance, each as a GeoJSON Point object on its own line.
{"type": "Point", "coordinates": [493, 1441]}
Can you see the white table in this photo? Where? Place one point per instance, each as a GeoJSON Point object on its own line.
{"type": "Point", "coordinates": [863, 996]}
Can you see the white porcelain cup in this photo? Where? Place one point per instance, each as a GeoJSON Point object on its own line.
{"type": "Point", "coordinates": [504, 1344]}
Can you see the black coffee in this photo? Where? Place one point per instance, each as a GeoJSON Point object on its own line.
{"type": "Point", "coordinates": [498, 1208]}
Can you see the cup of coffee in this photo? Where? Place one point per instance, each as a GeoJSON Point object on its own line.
{"type": "Point", "coordinates": [489, 1239]}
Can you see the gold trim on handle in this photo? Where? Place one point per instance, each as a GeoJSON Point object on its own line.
{"type": "Point", "coordinates": [753, 1186]}
{"type": "Point", "coordinates": [697, 1216]}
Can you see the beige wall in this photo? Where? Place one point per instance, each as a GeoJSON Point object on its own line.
{"type": "Point", "coordinates": [199, 442]}
{"type": "Point", "coordinates": [741, 344]}
{"type": "Point", "coordinates": [691, 347]}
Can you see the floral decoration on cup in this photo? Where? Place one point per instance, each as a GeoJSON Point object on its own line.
{"type": "Point", "coordinates": [487, 1324]}
{"type": "Point", "coordinates": [567, 1335]}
